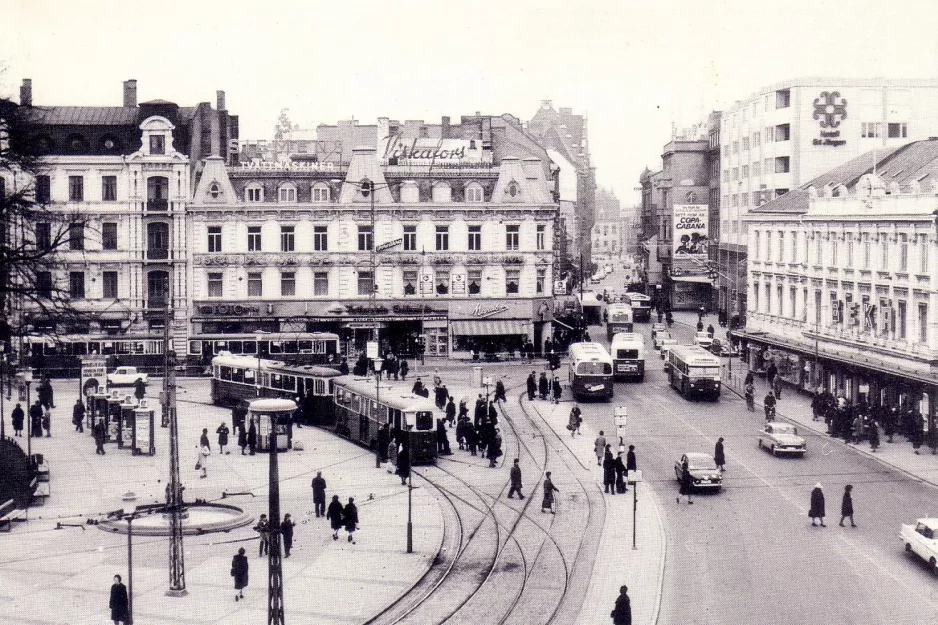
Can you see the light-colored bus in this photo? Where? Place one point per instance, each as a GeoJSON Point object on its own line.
{"type": "Point", "coordinates": [620, 320]}
{"type": "Point", "coordinates": [628, 356]}
{"type": "Point", "coordinates": [694, 372]}
{"type": "Point", "coordinates": [590, 371]}
{"type": "Point", "coordinates": [641, 306]}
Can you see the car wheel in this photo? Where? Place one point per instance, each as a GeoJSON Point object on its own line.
{"type": "Point", "coordinates": [908, 548]}
{"type": "Point", "coordinates": [772, 449]}
{"type": "Point", "coordinates": [934, 564]}
{"type": "Point", "coordinates": [760, 443]}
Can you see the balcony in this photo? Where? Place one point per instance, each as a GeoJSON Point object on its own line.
{"type": "Point", "coordinates": [157, 205]}
{"type": "Point", "coordinates": [157, 303]}
{"type": "Point", "coordinates": [158, 254]}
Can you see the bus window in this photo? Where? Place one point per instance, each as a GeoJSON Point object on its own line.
{"type": "Point", "coordinates": [249, 377]}
{"type": "Point", "coordinates": [626, 353]}
{"type": "Point", "coordinates": [354, 402]}
{"type": "Point", "coordinates": [319, 387]}
{"type": "Point", "coordinates": [107, 348]}
{"type": "Point", "coordinates": [710, 372]}
{"type": "Point", "coordinates": [319, 347]}
{"type": "Point", "coordinates": [594, 368]}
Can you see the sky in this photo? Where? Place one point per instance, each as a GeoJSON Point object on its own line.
{"type": "Point", "coordinates": [631, 67]}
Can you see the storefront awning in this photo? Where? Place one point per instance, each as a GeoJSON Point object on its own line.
{"type": "Point", "coordinates": [488, 327]}
{"type": "Point", "coordinates": [698, 279]}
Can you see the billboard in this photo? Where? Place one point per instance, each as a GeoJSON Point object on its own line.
{"type": "Point", "coordinates": [690, 239]}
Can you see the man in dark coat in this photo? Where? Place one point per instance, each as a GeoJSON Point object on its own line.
{"type": "Point", "coordinates": [403, 368]}
{"type": "Point", "coordinates": [817, 506]}
{"type": "Point", "coordinates": [472, 438]}
{"type": "Point", "coordinates": [286, 531]}
{"type": "Point", "coordinates": [319, 494]}
{"type": "Point", "coordinates": [242, 438]}
{"type": "Point", "coordinates": [686, 482]}
{"type": "Point", "coordinates": [451, 412]}
{"type": "Point", "coordinates": [252, 437]}
{"type": "Point", "coordinates": [622, 613]}
{"type": "Point", "coordinates": [718, 456]}
{"type": "Point", "coordinates": [140, 389]}
{"type": "Point", "coordinates": [417, 388]}
{"type": "Point", "coordinates": [45, 393]}
{"type": "Point", "coordinates": [531, 386]}
{"type": "Point", "coordinates": [35, 419]}
{"type": "Point", "coordinates": [609, 471]}
{"type": "Point", "coordinates": [631, 464]}
{"type": "Point", "coordinates": [543, 386]}
{"type": "Point", "coordinates": [334, 514]}
{"type": "Point", "coordinates": [500, 391]}
{"type": "Point", "coordinates": [619, 467]}
{"type": "Point", "coordinates": [343, 366]}
{"type": "Point", "coordinates": [846, 506]}
{"type": "Point", "coordinates": [495, 448]}
{"type": "Point", "coordinates": [350, 515]}
{"type": "Point", "coordinates": [17, 418]}
{"type": "Point", "coordinates": [384, 437]}
{"type": "Point", "coordinates": [770, 372]}
{"type": "Point", "coordinates": [119, 603]}
{"type": "Point", "coordinates": [557, 389]}
{"type": "Point", "coordinates": [493, 414]}
{"type": "Point", "coordinates": [515, 475]}
{"type": "Point", "coordinates": [99, 436]}
{"type": "Point", "coordinates": [442, 439]}
{"type": "Point", "coordinates": [403, 464]}
{"type": "Point", "coordinates": [479, 413]}
{"type": "Point", "coordinates": [239, 570]}
{"type": "Point", "coordinates": [78, 415]}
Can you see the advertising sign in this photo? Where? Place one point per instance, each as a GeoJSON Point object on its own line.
{"type": "Point", "coordinates": [690, 239]}
{"type": "Point", "coordinates": [143, 432]}
{"type": "Point", "coordinates": [93, 376]}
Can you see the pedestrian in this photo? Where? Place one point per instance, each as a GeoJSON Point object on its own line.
{"type": "Point", "coordinates": [404, 368]}
{"type": "Point", "coordinates": [99, 436]}
{"type": "Point", "coordinates": [222, 432]}
{"type": "Point", "coordinates": [47, 421]}
{"type": "Point", "coordinates": [263, 532]}
{"type": "Point", "coordinates": [203, 440]}
{"type": "Point", "coordinates": [622, 613]}
{"type": "Point", "coordinates": [750, 378]}
{"type": "Point", "coordinates": [777, 386]}
{"type": "Point", "coordinates": [384, 437]}
{"type": "Point", "coordinates": [140, 389]}
{"type": "Point", "coordinates": [816, 404]}
{"type": "Point", "coordinates": [35, 419]}
{"type": "Point", "coordinates": [119, 603]}
{"type": "Point", "coordinates": [442, 439]}
{"type": "Point", "coordinates": [286, 531]}
{"type": "Point", "coordinates": [846, 506]}
{"type": "Point", "coordinates": [334, 514]}
{"type": "Point", "coordinates": [392, 455]}
{"type": "Point", "coordinates": [700, 326]}
{"type": "Point", "coordinates": [242, 438]}
{"type": "Point", "coordinates": [515, 474]}
{"type": "Point", "coordinates": [573, 423]}
{"type": "Point", "coordinates": [350, 516]}
{"type": "Point", "coordinates": [631, 464]}
{"type": "Point", "coordinates": [769, 404]}
{"type": "Point", "coordinates": [472, 438]}
{"type": "Point", "coordinates": [557, 389]}
{"type": "Point", "coordinates": [718, 456]}
{"type": "Point", "coordinates": [500, 391]}
{"type": "Point", "coordinates": [770, 372]}
{"type": "Point", "coordinates": [403, 464]}
{"type": "Point", "coordinates": [874, 435]}
{"type": "Point", "coordinates": [531, 386]}
{"type": "Point", "coordinates": [78, 415]}
{"type": "Point", "coordinates": [547, 503]}
{"type": "Point", "coordinates": [17, 417]}
{"type": "Point", "coordinates": [543, 386]}
{"type": "Point", "coordinates": [493, 414]}
{"type": "Point", "coordinates": [750, 392]}
{"type": "Point", "coordinates": [710, 330]}
{"type": "Point", "coordinates": [451, 412]}
{"type": "Point", "coordinates": [619, 467]}
{"type": "Point", "coordinates": [252, 436]}
{"type": "Point", "coordinates": [239, 570]}
{"type": "Point", "coordinates": [319, 494]}
{"type": "Point", "coordinates": [44, 391]}
{"type": "Point", "coordinates": [599, 446]}
{"type": "Point", "coordinates": [817, 506]}
{"type": "Point", "coordinates": [609, 471]}
{"type": "Point", "coordinates": [685, 481]}
{"type": "Point", "coordinates": [202, 460]}
{"type": "Point", "coordinates": [495, 448]}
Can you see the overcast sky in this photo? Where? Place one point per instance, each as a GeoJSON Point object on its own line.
{"type": "Point", "coordinates": [632, 67]}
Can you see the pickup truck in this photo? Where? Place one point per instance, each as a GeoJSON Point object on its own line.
{"type": "Point", "coordinates": [126, 376]}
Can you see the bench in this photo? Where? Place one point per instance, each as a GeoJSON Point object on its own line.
{"type": "Point", "coordinates": [41, 467]}
{"type": "Point", "coordinates": [40, 490]}
{"type": "Point", "coordinates": [8, 514]}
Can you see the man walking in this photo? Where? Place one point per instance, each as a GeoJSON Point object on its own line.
{"type": "Point", "coordinates": [78, 415]}
{"type": "Point", "coordinates": [99, 435]}
{"type": "Point", "coordinates": [239, 570]}
{"type": "Point", "coordinates": [515, 481]}
{"type": "Point", "coordinates": [350, 515]}
{"type": "Point", "coordinates": [334, 514]}
{"type": "Point", "coordinates": [718, 457]}
{"type": "Point", "coordinates": [319, 494]}
{"type": "Point", "coordinates": [599, 446]}
{"type": "Point", "coordinates": [846, 506]}
{"type": "Point", "coordinates": [622, 613]}
{"type": "Point", "coordinates": [817, 506]}
{"type": "Point", "coordinates": [17, 418]}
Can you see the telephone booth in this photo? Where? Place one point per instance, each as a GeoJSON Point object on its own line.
{"type": "Point", "coordinates": [96, 410]}
{"type": "Point", "coordinates": [273, 415]}
{"type": "Point", "coordinates": [112, 422]}
{"type": "Point", "coordinates": [125, 424]}
{"type": "Point", "coordinates": [142, 432]}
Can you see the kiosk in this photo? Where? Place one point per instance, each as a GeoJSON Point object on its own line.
{"type": "Point", "coordinates": [96, 410]}
{"type": "Point", "coordinates": [273, 414]}
{"type": "Point", "coordinates": [125, 424]}
{"type": "Point", "coordinates": [113, 417]}
{"type": "Point", "coordinates": [142, 432]}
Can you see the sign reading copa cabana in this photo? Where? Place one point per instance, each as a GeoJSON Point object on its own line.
{"type": "Point", "coordinates": [690, 239]}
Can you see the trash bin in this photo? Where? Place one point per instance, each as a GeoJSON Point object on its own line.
{"type": "Point", "coordinates": [477, 376]}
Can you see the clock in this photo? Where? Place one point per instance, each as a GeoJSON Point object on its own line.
{"type": "Point", "coordinates": [691, 197]}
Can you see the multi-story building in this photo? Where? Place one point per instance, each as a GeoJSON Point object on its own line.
{"type": "Point", "coordinates": [788, 133]}
{"type": "Point", "coordinates": [842, 287]}
{"type": "Point", "coordinates": [649, 227]}
{"type": "Point", "coordinates": [119, 179]}
{"type": "Point", "coordinates": [463, 236]}
{"type": "Point", "coordinates": [608, 230]}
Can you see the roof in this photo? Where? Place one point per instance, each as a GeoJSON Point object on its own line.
{"type": "Point", "coordinates": [85, 115]}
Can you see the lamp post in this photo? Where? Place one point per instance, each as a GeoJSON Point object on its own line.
{"type": "Point", "coordinates": [257, 374]}
{"type": "Point", "coordinates": [378, 362]}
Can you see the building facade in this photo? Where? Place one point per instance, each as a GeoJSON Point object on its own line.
{"type": "Point", "coordinates": [608, 238]}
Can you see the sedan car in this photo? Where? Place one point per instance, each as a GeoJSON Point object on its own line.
{"type": "Point", "coordinates": [656, 328]}
{"type": "Point", "coordinates": [660, 337]}
{"type": "Point", "coordinates": [922, 540]}
{"type": "Point", "coordinates": [781, 438]}
{"type": "Point", "coordinates": [703, 471]}
{"type": "Point", "coordinates": [125, 376]}
{"type": "Point", "coordinates": [703, 339]}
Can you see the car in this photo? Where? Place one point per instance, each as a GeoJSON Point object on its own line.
{"type": "Point", "coordinates": [126, 376]}
{"type": "Point", "coordinates": [922, 540]}
{"type": "Point", "coordinates": [657, 327]}
{"type": "Point", "coordinates": [703, 470]}
{"type": "Point", "coordinates": [781, 438]}
{"type": "Point", "coordinates": [596, 279]}
{"type": "Point", "coordinates": [664, 348]}
{"type": "Point", "coordinates": [660, 336]}
{"type": "Point", "coordinates": [703, 339]}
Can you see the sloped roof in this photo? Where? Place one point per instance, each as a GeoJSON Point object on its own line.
{"type": "Point", "coordinates": [851, 171]}
{"type": "Point", "coordinates": [795, 201]}
{"type": "Point", "coordinates": [85, 115]}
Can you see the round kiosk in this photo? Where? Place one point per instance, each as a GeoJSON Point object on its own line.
{"type": "Point", "coordinates": [272, 415]}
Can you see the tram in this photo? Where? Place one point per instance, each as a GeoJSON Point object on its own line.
{"type": "Point", "coordinates": [60, 356]}
{"type": "Point", "coordinates": [590, 371]}
{"type": "Point", "coordinates": [694, 372]}
{"type": "Point", "coordinates": [305, 348]}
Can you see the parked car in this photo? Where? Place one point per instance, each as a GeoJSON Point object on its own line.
{"type": "Point", "coordinates": [656, 328]}
{"type": "Point", "coordinates": [703, 339]}
{"type": "Point", "coordinates": [660, 337]}
{"type": "Point", "coordinates": [922, 540]}
{"type": "Point", "coordinates": [126, 376]}
{"type": "Point", "coordinates": [665, 348]}
{"type": "Point", "coordinates": [596, 279]}
{"type": "Point", "coordinates": [781, 438]}
{"type": "Point", "coordinates": [703, 471]}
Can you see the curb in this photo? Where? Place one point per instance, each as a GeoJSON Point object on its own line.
{"type": "Point", "coordinates": [664, 556]}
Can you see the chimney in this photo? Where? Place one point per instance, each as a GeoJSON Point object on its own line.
{"type": "Point", "coordinates": [130, 93]}
{"type": "Point", "coordinates": [220, 100]}
{"type": "Point", "coordinates": [26, 92]}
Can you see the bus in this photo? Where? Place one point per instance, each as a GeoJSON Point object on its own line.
{"type": "Point", "coordinates": [641, 306]}
{"type": "Point", "coordinates": [590, 372]}
{"type": "Point", "coordinates": [620, 320]}
{"type": "Point", "coordinates": [628, 356]}
{"type": "Point", "coordinates": [694, 372]}
{"type": "Point", "coordinates": [306, 348]}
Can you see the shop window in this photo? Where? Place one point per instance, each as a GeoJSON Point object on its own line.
{"type": "Point", "coordinates": [437, 343]}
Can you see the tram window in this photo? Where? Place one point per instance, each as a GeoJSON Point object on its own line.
{"type": "Point", "coordinates": [289, 347]}
{"type": "Point", "coordinates": [249, 376]}
{"type": "Point", "coordinates": [289, 383]}
{"type": "Point", "coordinates": [424, 420]}
{"type": "Point", "coordinates": [226, 373]}
{"type": "Point", "coordinates": [80, 348]}
{"type": "Point", "coordinates": [237, 375]}
{"type": "Point", "coordinates": [275, 380]}
{"type": "Point", "coordinates": [195, 348]}
{"type": "Point", "coordinates": [220, 346]}
{"type": "Point", "coordinates": [354, 402]}
{"type": "Point", "coordinates": [250, 347]}
{"type": "Point", "coordinates": [395, 418]}
{"type": "Point", "coordinates": [382, 414]}
{"type": "Point", "coordinates": [341, 396]}
{"type": "Point", "coordinates": [306, 347]}
{"type": "Point", "coordinates": [276, 347]}
{"type": "Point", "coordinates": [319, 387]}
{"type": "Point", "coordinates": [94, 347]}
{"type": "Point", "coordinates": [107, 348]}
{"type": "Point", "coordinates": [235, 347]}
{"type": "Point", "coordinates": [319, 347]}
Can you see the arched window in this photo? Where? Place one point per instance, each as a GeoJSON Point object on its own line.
{"type": "Point", "coordinates": [253, 192]}
{"type": "Point", "coordinates": [287, 192]}
{"type": "Point", "coordinates": [442, 192]}
{"type": "Point", "coordinates": [321, 192]}
{"type": "Point", "coordinates": [474, 192]}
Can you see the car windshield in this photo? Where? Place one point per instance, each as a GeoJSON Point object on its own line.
{"type": "Point", "coordinates": [701, 464]}
{"type": "Point", "coordinates": [784, 429]}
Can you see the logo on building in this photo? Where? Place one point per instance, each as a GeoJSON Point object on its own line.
{"type": "Point", "coordinates": [828, 110]}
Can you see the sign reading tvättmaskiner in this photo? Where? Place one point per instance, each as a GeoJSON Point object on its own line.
{"type": "Point", "coordinates": [690, 239]}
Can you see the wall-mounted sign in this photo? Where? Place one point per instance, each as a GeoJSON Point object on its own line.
{"type": "Point", "coordinates": [458, 284]}
{"type": "Point", "coordinates": [236, 310]}
{"type": "Point", "coordinates": [830, 109]}
{"type": "Point", "coordinates": [258, 165]}
{"type": "Point", "coordinates": [389, 245]}
{"type": "Point", "coordinates": [481, 311]}
{"type": "Point", "coordinates": [426, 284]}
{"type": "Point", "coordinates": [426, 149]}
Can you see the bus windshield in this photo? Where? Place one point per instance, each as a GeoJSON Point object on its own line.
{"type": "Point", "coordinates": [703, 372]}
{"type": "Point", "coordinates": [626, 353]}
{"type": "Point", "coordinates": [594, 368]}
{"type": "Point", "coordinates": [620, 317]}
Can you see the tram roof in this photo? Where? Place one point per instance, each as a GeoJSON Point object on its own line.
{"type": "Point", "coordinates": [394, 397]}
{"type": "Point", "coordinates": [266, 336]}
{"type": "Point", "coordinates": [313, 370]}
{"type": "Point", "coordinates": [246, 362]}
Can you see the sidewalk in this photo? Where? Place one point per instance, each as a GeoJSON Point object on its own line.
{"type": "Point", "coordinates": [796, 407]}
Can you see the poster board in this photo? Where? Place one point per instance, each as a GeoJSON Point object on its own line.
{"type": "Point", "coordinates": [93, 376]}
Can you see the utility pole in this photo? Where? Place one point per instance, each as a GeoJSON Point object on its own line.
{"type": "Point", "coordinates": [274, 563]}
{"type": "Point", "coordinates": [177, 565]}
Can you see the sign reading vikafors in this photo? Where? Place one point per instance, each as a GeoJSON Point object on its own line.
{"type": "Point", "coordinates": [388, 245]}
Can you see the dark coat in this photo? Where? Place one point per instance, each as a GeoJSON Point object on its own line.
{"type": "Point", "coordinates": [619, 467]}
{"type": "Point", "coordinates": [242, 438]}
{"type": "Point", "coordinates": [846, 506]}
{"type": "Point", "coordinates": [609, 469]}
{"type": "Point", "coordinates": [239, 570]}
{"type": "Point", "coordinates": [403, 463]}
{"type": "Point", "coordinates": [817, 504]}
{"type": "Point", "coordinates": [531, 384]}
{"type": "Point", "coordinates": [252, 435]}
{"type": "Point", "coordinates": [630, 463]}
{"type": "Point", "coordinates": [622, 613]}
{"type": "Point", "coordinates": [319, 490]}
{"type": "Point", "coordinates": [78, 413]}
{"type": "Point", "coordinates": [350, 514]}
{"type": "Point", "coordinates": [515, 476]}
{"type": "Point", "coordinates": [119, 603]}
{"type": "Point", "coordinates": [222, 432]}
{"type": "Point", "coordinates": [334, 514]}
{"type": "Point", "coordinates": [286, 530]}
{"type": "Point", "coordinates": [718, 455]}
{"type": "Point", "coordinates": [549, 490]}
{"type": "Point", "coordinates": [140, 389]}
{"type": "Point", "coordinates": [17, 418]}
{"type": "Point", "coordinates": [542, 385]}
{"type": "Point", "coordinates": [686, 479]}
{"type": "Point", "coordinates": [451, 410]}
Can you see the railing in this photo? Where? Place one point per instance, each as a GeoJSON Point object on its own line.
{"type": "Point", "coordinates": [157, 303]}
{"type": "Point", "coordinates": [157, 205]}
{"type": "Point", "coordinates": [157, 254]}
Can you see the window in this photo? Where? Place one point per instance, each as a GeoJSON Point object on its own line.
{"type": "Point", "coordinates": [542, 232]}
{"type": "Point", "coordinates": [818, 258]}
{"type": "Point", "coordinates": [745, 171]}
{"type": "Point", "coordinates": [769, 134]}
{"type": "Point", "coordinates": [768, 245]}
{"type": "Point", "coordinates": [756, 139]}
{"type": "Point", "coordinates": [735, 147]}
{"type": "Point", "coordinates": [512, 278]}
{"type": "Point", "coordinates": [782, 99]}
{"type": "Point", "coordinates": [903, 253]}
{"type": "Point", "coordinates": [254, 193]}
{"type": "Point", "coordinates": [898, 131]}
{"type": "Point", "coordinates": [287, 238]}
{"type": "Point", "coordinates": [44, 236]}
{"type": "Point", "coordinates": [441, 279]}
{"type": "Point", "coordinates": [780, 192]}
{"type": "Point", "coordinates": [923, 324]}
{"type": "Point", "coordinates": [364, 238]}
{"type": "Point", "coordinates": [287, 283]}
{"type": "Point", "coordinates": [726, 175]}
{"type": "Point", "coordinates": [768, 299]}
{"type": "Point", "coordinates": [756, 169]}
{"type": "Point", "coordinates": [214, 238]}
{"type": "Point", "coordinates": [901, 320]}
{"type": "Point", "coordinates": [474, 193]}
{"type": "Point", "coordinates": [883, 254]}
{"type": "Point", "coordinates": [254, 238]}
{"type": "Point", "coordinates": [255, 285]}
{"type": "Point", "coordinates": [866, 251]}
{"type": "Point", "coordinates": [76, 188]}
{"type": "Point", "coordinates": [735, 174]}
{"type": "Point", "coordinates": [781, 246]}
{"type": "Point", "coordinates": [109, 235]}
{"type": "Point", "coordinates": [475, 238]}
{"type": "Point", "coordinates": [513, 189]}
{"type": "Point", "coordinates": [849, 263]}
{"type": "Point", "coordinates": [726, 151]}
{"type": "Point", "coordinates": [758, 253]}
{"type": "Point", "coordinates": [320, 192]}
{"type": "Point", "coordinates": [76, 236]}
{"type": "Point", "coordinates": [287, 192]}
{"type": "Point", "coordinates": [923, 256]}
{"type": "Point", "coordinates": [365, 283]}
{"type": "Point", "coordinates": [792, 302]}
{"type": "Point", "coordinates": [44, 284]}
{"type": "Point", "coordinates": [109, 188]}
{"type": "Point", "coordinates": [540, 279]}
{"type": "Point", "coordinates": [109, 283]}
{"type": "Point", "coordinates": [43, 189]}
{"type": "Point", "coordinates": [76, 284]}
{"type": "Point", "coordinates": [474, 280]}
{"type": "Point", "coordinates": [782, 165]}
{"type": "Point", "coordinates": [783, 132]}
{"type": "Point", "coordinates": [157, 144]}
{"type": "Point", "coordinates": [512, 233]}
{"type": "Point", "coordinates": [794, 247]}
{"type": "Point", "coordinates": [321, 283]}
{"type": "Point", "coordinates": [871, 130]}
{"type": "Point", "coordinates": [745, 144]}
{"type": "Point", "coordinates": [410, 281]}
{"type": "Point", "coordinates": [442, 238]}
{"type": "Point", "coordinates": [321, 238]}
{"type": "Point", "coordinates": [817, 308]}
{"type": "Point", "coordinates": [834, 258]}
{"type": "Point", "coordinates": [215, 284]}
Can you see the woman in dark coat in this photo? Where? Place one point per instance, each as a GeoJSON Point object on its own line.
{"type": "Point", "coordinates": [350, 514]}
{"type": "Point", "coordinates": [120, 608]}
{"type": "Point", "coordinates": [286, 530]}
{"type": "Point", "coordinates": [719, 458]}
{"type": "Point", "coordinates": [451, 412]}
{"type": "Point", "coordinates": [531, 386]}
{"type": "Point", "coordinates": [817, 506]}
{"type": "Point", "coordinates": [846, 506]}
{"type": "Point", "coordinates": [242, 438]}
{"type": "Point", "coordinates": [222, 432]}
{"type": "Point", "coordinates": [549, 489]}
{"type": "Point", "coordinates": [252, 437]}
{"type": "Point", "coordinates": [619, 466]}
{"type": "Point", "coordinates": [542, 386]}
{"type": "Point", "coordinates": [686, 481]}
{"type": "Point", "coordinates": [403, 464]}
{"type": "Point", "coordinates": [609, 472]}
{"type": "Point", "coordinates": [334, 514]}
{"type": "Point", "coordinates": [17, 418]}
{"type": "Point", "coordinates": [239, 570]}
{"type": "Point", "coordinates": [558, 390]}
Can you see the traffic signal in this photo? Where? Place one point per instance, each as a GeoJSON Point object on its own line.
{"type": "Point", "coordinates": [421, 345]}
